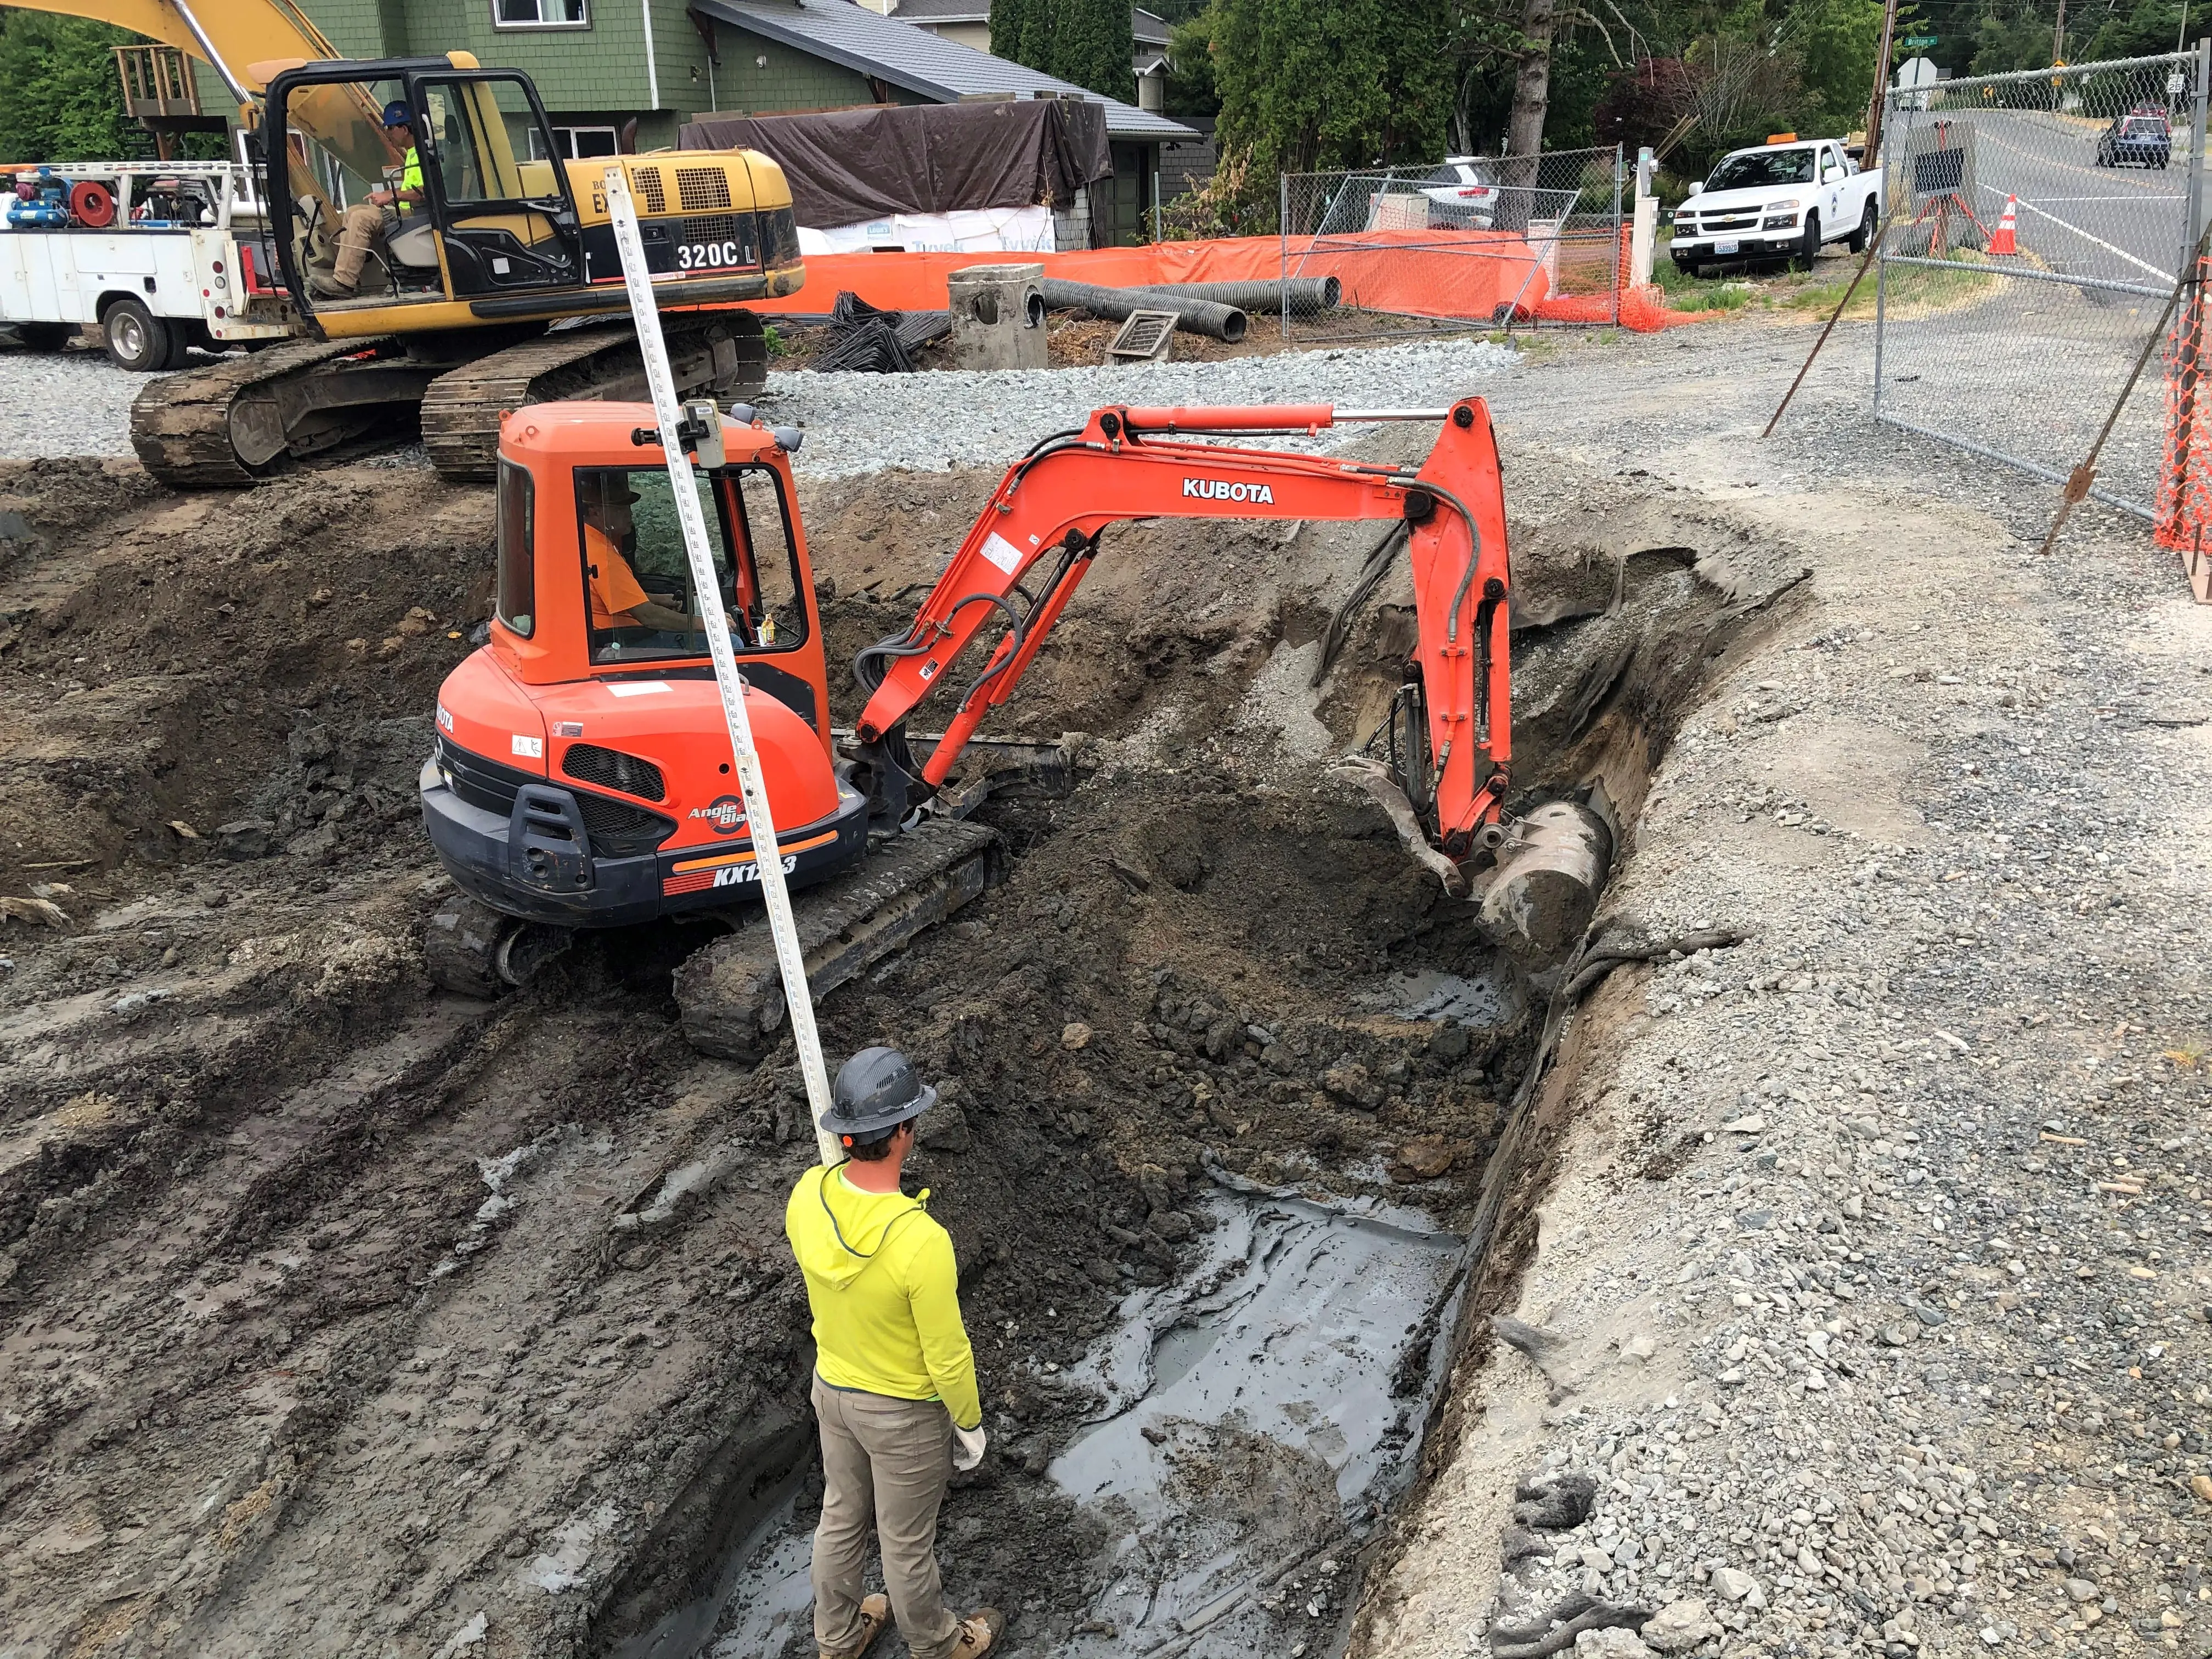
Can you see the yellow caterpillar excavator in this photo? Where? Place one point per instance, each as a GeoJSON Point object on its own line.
{"type": "Point", "coordinates": [398, 223]}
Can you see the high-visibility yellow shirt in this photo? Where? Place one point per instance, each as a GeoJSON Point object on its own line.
{"type": "Point", "coordinates": [885, 1292]}
{"type": "Point", "coordinates": [410, 176]}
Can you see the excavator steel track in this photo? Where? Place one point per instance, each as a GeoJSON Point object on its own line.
{"type": "Point", "coordinates": [730, 993]}
{"type": "Point", "coordinates": [725, 352]}
{"type": "Point", "coordinates": [180, 425]}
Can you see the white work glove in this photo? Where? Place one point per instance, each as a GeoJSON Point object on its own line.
{"type": "Point", "coordinates": [966, 1447]}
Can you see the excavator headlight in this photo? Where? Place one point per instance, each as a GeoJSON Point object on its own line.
{"type": "Point", "coordinates": [743, 414]}
{"type": "Point", "coordinates": [790, 437]}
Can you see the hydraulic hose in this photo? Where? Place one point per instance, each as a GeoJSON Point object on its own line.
{"type": "Point", "coordinates": [1205, 317]}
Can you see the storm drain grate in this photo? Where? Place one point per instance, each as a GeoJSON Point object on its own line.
{"type": "Point", "coordinates": [1145, 338]}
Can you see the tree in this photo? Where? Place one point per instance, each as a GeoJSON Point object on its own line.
{"type": "Point", "coordinates": [60, 98]}
{"type": "Point", "coordinates": [1091, 43]}
{"type": "Point", "coordinates": [1095, 46]}
{"type": "Point", "coordinates": [1311, 84]}
{"type": "Point", "coordinates": [1021, 32]}
{"type": "Point", "coordinates": [1190, 89]}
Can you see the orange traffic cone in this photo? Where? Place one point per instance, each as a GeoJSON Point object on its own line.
{"type": "Point", "coordinates": [2004, 241]}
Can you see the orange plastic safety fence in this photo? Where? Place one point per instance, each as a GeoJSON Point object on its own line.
{"type": "Point", "coordinates": [1644, 307]}
{"type": "Point", "coordinates": [2184, 492]}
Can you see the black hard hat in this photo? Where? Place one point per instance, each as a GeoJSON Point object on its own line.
{"type": "Point", "coordinates": [876, 1090]}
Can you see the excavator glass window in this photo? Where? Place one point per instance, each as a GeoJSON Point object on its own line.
{"type": "Point", "coordinates": [637, 578]}
{"type": "Point", "coordinates": [518, 577]}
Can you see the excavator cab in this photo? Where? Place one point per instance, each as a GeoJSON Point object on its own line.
{"type": "Point", "coordinates": [582, 773]}
{"type": "Point", "coordinates": [445, 142]}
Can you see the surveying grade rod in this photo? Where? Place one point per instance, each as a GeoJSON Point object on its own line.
{"type": "Point", "coordinates": [768, 855]}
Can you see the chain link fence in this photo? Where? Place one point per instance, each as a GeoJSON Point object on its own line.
{"type": "Point", "coordinates": [2037, 225]}
{"type": "Point", "coordinates": [1513, 240]}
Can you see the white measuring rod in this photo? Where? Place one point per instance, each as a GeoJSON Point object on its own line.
{"type": "Point", "coordinates": [768, 855]}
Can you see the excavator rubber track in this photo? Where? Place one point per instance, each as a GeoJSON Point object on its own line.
{"type": "Point", "coordinates": [725, 352]}
{"type": "Point", "coordinates": [181, 424]}
{"type": "Point", "coordinates": [730, 993]}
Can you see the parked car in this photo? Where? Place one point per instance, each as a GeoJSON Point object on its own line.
{"type": "Point", "coordinates": [2142, 137]}
{"type": "Point", "coordinates": [1784, 200]}
{"type": "Point", "coordinates": [1462, 194]}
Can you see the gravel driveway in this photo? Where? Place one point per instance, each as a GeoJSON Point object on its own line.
{"type": "Point", "coordinates": [1869, 1290]}
{"type": "Point", "coordinates": [64, 402]}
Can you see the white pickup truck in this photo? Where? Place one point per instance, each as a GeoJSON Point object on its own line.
{"type": "Point", "coordinates": [1780, 201]}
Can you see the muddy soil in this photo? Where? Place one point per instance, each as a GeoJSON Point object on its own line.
{"type": "Point", "coordinates": [338, 1312]}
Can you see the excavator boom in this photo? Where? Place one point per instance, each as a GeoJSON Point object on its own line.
{"type": "Point", "coordinates": [1037, 539]}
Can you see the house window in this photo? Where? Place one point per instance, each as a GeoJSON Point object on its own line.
{"type": "Point", "coordinates": [541, 14]}
{"type": "Point", "coordinates": [576, 143]}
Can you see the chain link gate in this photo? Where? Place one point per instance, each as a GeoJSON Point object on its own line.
{"type": "Point", "coordinates": [1433, 248]}
{"type": "Point", "coordinates": [2037, 224]}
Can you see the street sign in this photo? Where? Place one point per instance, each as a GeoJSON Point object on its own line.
{"type": "Point", "coordinates": [1916, 72]}
{"type": "Point", "coordinates": [1915, 42]}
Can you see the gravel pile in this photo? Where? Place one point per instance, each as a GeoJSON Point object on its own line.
{"type": "Point", "coordinates": [939, 420]}
{"type": "Point", "coordinates": [64, 402]}
{"type": "Point", "coordinates": [1873, 1289]}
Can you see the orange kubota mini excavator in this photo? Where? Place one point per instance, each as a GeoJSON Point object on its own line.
{"type": "Point", "coordinates": [582, 771]}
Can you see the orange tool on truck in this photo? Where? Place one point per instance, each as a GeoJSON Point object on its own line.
{"type": "Point", "coordinates": [582, 771]}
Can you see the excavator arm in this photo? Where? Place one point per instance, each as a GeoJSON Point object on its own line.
{"type": "Point", "coordinates": [1032, 545]}
{"type": "Point", "coordinates": [227, 35]}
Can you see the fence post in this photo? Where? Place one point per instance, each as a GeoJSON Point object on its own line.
{"type": "Point", "coordinates": [1881, 269]}
{"type": "Point", "coordinates": [1617, 273]}
{"type": "Point", "coordinates": [2199, 120]}
{"type": "Point", "coordinates": [1282, 276]}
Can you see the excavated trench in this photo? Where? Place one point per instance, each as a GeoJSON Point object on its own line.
{"type": "Point", "coordinates": [344, 1313]}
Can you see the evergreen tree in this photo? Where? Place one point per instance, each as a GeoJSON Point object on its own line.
{"type": "Point", "coordinates": [60, 97]}
{"type": "Point", "coordinates": [1308, 84]}
{"type": "Point", "coordinates": [1094, 45]}
{"type": "Point", "coordinates": [1021, 32]}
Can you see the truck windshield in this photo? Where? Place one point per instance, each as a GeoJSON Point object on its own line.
{"type": "Point", "coordinates": [1756, 169]}
{"type": "Point", "coordinates": [637, 580]}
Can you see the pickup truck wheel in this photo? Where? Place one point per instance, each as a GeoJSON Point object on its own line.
{"type": "Point", "coordinates": [1865, 233]}
{"type": "Point", "coordinates": [1811, 250]}
{"type": "Point", "coordinates": [136, 339]}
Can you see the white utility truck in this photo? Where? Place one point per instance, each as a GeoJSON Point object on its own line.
{"type": "Point", "coordinates": [1780, 201]}
{"type": "Point", "coordinates": [162, 255]}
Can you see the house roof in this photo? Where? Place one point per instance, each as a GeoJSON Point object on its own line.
{"type": "Point", "coordinates": [1151, 28]}
{"type": "Point", "coordinates": [914, 58]}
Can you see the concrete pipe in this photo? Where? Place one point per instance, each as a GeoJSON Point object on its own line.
{"type": "Point", "coordinates": [1308, 295]}
{"type": "Point", "coordinates": [1548, 876]}
{"type": "Point", "coordinates": [1206, 317]}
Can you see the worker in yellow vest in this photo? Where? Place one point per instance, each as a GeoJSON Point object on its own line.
{"type": "Point", "coordinates": [373, 220]}
{"type": "Point", "coordinates": [894, 1378]}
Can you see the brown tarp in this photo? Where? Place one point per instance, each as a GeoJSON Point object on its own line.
{"type": "Point", "coordinates": [850, 164]}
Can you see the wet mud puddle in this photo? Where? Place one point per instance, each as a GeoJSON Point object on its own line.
{"type": "Point", "coordinates": [1253, 1420]}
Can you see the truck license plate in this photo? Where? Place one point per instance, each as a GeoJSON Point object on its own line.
{"type": "Point", "coordinates": [1724, 247]}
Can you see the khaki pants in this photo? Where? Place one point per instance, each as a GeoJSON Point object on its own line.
{"type": "Point", "coordinates": [364, 223]}
{"type": "Point", "coordinates": [893, 1458]}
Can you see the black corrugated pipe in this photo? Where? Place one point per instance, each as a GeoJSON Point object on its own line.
{"type": "Point", "coordinates": [1306, 295]}
{"type": "Point", "coordinates": [1205, 317]}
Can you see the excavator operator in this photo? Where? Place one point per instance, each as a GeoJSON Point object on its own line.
{"type": "Point", "coordinates": [370, 222]}
{"type": "Point", "coordinates": [618, 598]}
{"type": "Point", "coordinates": [894, 1377]}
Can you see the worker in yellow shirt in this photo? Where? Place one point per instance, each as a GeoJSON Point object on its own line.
{"type": "Point", "coordinates": [370, 222]}
{"type": "Point", "coordinates": [894, 1378]}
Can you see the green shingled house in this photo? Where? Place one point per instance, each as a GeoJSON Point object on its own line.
{"type": "Point", "coordinates": [599, 65]}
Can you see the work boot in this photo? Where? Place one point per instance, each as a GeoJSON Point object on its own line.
{"type": "Point", "coordinates": [979, 1633]}
{"type": "Point", "coordinates": [326, 285]}
{"type": "Point", "coordinates": [875, 1619]}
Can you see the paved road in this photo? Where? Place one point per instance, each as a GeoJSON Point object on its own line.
{"type": "Point", "coordinates": [2117, 224]}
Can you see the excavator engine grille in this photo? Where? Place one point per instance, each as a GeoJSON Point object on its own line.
{"type": "Point", "coordinates": [701, 190]}
{"type": "Point", "coordinates": [618, 829]}
{"type": "Point", "coordinates": [718, 228]}
{"type": "Point", "coordinates": [649, 189]}
{"type": "Point", "coordinates": [611, 768]}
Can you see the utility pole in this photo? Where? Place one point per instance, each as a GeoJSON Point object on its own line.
{"type": "Point", "coordinates": [1873, 152]}
{"type": "Point", "coordinates": [2059, 36]}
